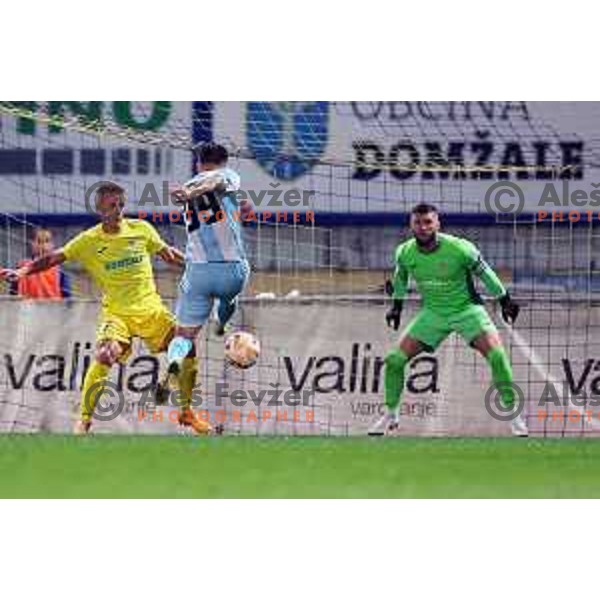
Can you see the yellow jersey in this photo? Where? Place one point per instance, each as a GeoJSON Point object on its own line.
{"type": "Point", "coordinates": [120, 264]}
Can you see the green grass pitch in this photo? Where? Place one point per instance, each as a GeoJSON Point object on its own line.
{"type": "Point", "coordinates": [181, 467]}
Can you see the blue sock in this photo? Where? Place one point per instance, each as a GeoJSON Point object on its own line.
{"type": "Point", "coordinates": [179, 348]}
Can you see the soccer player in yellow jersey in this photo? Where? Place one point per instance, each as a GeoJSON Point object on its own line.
{"type": "Point", "coordinates": [117, 255]}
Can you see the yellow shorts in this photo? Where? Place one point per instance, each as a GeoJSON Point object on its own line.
{"type": "Point", "coordinates": [154, 328]}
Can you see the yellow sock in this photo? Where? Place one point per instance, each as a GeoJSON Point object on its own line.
{"type": "Point", "coordinates": [92, 389]}
{"type": "Point", "coordinates": [187, 381]}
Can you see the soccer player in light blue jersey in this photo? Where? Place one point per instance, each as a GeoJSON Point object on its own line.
{"type": "Point", "coordinates": [216, 264]}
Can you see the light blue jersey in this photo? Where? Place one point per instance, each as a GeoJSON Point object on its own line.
{"type": "Point", "coordinates": [213, 222]}
{"type": "Point", "coordinates": [216, 265]}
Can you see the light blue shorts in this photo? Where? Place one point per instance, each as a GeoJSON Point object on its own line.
{"type": "Point", "coordinates": [203, 283]}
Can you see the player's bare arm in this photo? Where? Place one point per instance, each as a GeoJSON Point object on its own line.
{"type": "Point", "coordinates": [37, 266]}
{"type": "Point", "coordinates": [184, 193]}
{"type": "Point", "coordinates": [214, 183]}
{"type": "Point", "coordinates": [178, 193]}
{"type": "Point", "coordinates": [172, 256]}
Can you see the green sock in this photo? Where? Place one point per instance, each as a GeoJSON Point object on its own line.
{"type": "Point", "coordinates": [502, 374]}
{"type": "Point", "coordinates": [395, 363]}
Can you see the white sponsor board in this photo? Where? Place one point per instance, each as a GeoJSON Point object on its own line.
{"type": "Point", "coordinates": [48, 163]}
{"type": "Point", "coordinates": [320, 373]}
{"type": "Point", "coordinates": [385, 156]}
{"type": "Point", "coordinates": [356, 157]}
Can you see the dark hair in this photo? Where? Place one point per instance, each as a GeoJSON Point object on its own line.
{"type": "Point", "coordinates": [423, 208]}
{"type": "Point", "coordinates": [212, 153]}
{"type": "Point", "coordinates": [111, 189]}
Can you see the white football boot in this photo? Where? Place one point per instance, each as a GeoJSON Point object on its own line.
{"type": "Point", "coordinates": [385, 425]}
{"type": "Point", "coordinates": [518, 426]}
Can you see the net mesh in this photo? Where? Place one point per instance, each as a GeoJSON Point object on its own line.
{"type": "Point", "coordinates": [321, 276]}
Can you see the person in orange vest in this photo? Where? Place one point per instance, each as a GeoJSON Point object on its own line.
{"type": "Point", "coordinates": [52, 284]}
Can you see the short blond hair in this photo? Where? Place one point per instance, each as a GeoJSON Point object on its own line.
{"type": "Point", "coordinates": [111, 189]}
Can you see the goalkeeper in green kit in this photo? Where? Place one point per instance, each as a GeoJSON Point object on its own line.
{"type": "Point", "coordinates": [443, 267]}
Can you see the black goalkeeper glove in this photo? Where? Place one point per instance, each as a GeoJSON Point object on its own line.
{"type": "Point", "coordinates": [388, 288]}
{"type": "Point", "coordinates": [510, 309]}
{"type": "Point", "coordinates": [392, 316]}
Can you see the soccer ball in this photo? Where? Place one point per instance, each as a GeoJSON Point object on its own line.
{"type": "Point", "coordinates": [242, 349]}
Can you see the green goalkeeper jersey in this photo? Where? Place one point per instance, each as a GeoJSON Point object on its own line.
{"type": "Point", "coordinates": [444, 277]}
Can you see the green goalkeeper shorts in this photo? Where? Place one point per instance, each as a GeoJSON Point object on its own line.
{"type": "Point", "coordinates": [432, 329]}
